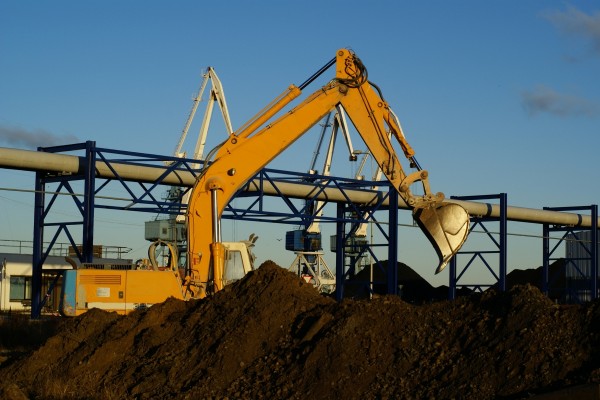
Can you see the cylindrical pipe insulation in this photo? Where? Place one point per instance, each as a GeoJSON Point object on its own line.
{"type": "Point", "coordinates": [29, 160]}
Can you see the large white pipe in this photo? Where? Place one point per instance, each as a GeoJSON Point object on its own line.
{"type": "Point", "coordinates": [67, 164]}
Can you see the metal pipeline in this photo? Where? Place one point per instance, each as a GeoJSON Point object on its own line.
{"type": "Point", "coordinates": [28, 160]}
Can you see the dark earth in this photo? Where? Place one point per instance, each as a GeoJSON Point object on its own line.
{"type": "Point", "coordinates": [271, 336]}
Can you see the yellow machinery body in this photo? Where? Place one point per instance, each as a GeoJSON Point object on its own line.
{"type": "Point", "coordinates": [123, 288]}
{"type": "Point", "coordinates": [121, 291]}
{"type": "Point", "coordinates": [261, 139]}
{"type": "Point", "coordinates": [246, 151]}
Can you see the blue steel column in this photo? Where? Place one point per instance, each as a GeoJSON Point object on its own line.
{"type": "Point", "coordinates": [38, 240]}
{"type": "Point", "coordinates": [594, 252]}
{"type": "Point", "coordinates": [452, 283]}
{"type": "Point", "coordinates": [392, 270]}
{"type": "Point", "coordinates": [546, 258]}
{"type": "Point", "coordinates": [340, 255]}
{"type": "Point", "coordinates": [88, 201]}
{"type": "Point", "coordinates": [502, 244]}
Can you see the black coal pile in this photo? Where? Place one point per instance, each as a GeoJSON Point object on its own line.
{"type": "Point", "coordinates": [271, 336]}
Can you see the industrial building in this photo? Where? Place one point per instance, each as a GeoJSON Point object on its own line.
{"type": "Point", "coordinates": [16, 262]}
{"type": "Point", "coordinates": [580, 269]}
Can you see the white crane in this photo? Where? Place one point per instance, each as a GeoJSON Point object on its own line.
{"type": "Point", "coordinates": [215, 95]}
{"type": "Point", "coordinates": [339, 123]}
{"type": "Point", "coordinates": [306, 243]}
{"type": "Point", "coordinates": [309, 262]}
{"type": "Point", "coordinates": [172, 230]}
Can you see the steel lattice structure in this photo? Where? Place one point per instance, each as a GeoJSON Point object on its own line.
{"type": "Point", "coordinates": [143, 177]}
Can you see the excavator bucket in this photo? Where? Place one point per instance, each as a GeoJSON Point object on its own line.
{"type": "Point", "coordinates": [446, 227]}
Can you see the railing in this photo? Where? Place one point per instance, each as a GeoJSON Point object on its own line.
{"type": "Point", "coordinates": [60, 249]}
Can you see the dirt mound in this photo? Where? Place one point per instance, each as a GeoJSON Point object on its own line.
{"type": "Point", "coordinates": [412, 287]}
{"type": "Point", "coordinates": [534, 276]}
{"type": "Point", "coordinates": [272, 336]}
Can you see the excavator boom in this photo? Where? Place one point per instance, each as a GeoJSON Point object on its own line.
{"type": "Point", "coordinates": [246, 152]}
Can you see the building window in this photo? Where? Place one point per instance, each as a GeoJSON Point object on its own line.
{"type": "Point", "coordinates": [20, 288]}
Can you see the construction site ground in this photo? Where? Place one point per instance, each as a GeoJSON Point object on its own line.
{"type": "Point", "coordinates": [272, 336]}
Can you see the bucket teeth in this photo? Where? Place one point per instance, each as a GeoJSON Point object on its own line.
{"type": "Point", "coordinates": [446, 227]}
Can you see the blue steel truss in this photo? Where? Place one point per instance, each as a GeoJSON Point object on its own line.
{"type": "Point", "coordinates": [87, 192]}
{"type": "Point", "coordinates": [290, 213]}
{"type": "Point", "coordinates": [478, 255]}
{"type": "Point", "coordinates": [348, 253]}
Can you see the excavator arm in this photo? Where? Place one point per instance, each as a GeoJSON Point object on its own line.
{"type": "Point", "coordinates": [246, 152]}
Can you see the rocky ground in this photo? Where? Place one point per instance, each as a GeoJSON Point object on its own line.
{"type": "Point", "coordinates": [271, 336]}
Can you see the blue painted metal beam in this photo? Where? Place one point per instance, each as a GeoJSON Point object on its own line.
{"type": "Point", "coordinates": [500, 244]}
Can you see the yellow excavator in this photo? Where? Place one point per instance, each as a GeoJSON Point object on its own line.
{"type": "Point", "coordinates": [242, 155]}
{"type": "Point", "coordinates": [253, 146]}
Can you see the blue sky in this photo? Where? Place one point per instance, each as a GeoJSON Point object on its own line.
{"type": "Point", "coordinates": [494, 96]}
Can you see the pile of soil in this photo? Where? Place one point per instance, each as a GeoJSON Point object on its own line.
{"type": "Point", "coordinates": [416, 290]}
{"type": "Point", "coordinates": [556, 279]}
{"type": "Point", "coordinates": [412, 288]}
{"type": "Point", "coordinates": [271, 336]}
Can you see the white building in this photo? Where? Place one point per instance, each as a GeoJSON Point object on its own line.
{"type": "Point", "coordinates": [16, 266]}
{"type": "Point", "coordinates": [15, 281]}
